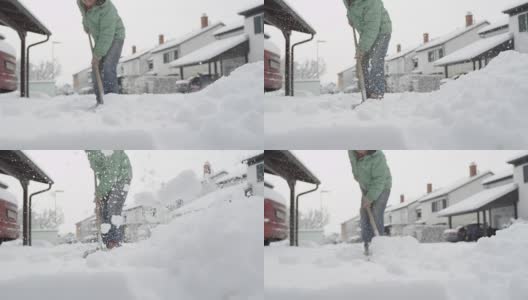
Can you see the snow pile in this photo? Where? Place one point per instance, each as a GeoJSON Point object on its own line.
{"type": "Point", "coordinates": [214, 253]}
{"type": "Point", "coordinates": [402, 269]}
{"type": "Point", "coordinates": [484, 109]}
{"type": "Point", "coordinates": [227, 113]}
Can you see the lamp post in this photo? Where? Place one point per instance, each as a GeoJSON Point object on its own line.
{"type": "Point", "coordinates": [317, 47]}
{"type": "Point", "coordinates": [53, 58]}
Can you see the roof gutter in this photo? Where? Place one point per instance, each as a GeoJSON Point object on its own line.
{"type": "Point", "coordinates": [293, 62]}
{"type": "Point", "coordinates": [27, 61]}
{"type": "Point", "coordinates": [297, 212]}
{"type": "Point", "coordinates": [29, 210]}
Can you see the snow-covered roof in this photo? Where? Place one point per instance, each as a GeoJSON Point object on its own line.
{"type": "Point", "coordinates": [401, 205]}
{"type": "Point", "coordinates": [514, 6]}
{"type": "Point", "coordinates": [499, 176]}
{"type": "Point", "coordinates": [7, 196]}
{"type": "Point", "coordinates": [270, 46]}
{"type": "Point", "coordinates": [230, 27]}
{"type": "Point", "coordinates": [518, 157]}
{"type": "Point", "coordinates": [6, 48]}
{"type": "Point", "coordinates": [448, 37]}
{"type": "Point", "coordinates": [454, 186]}
{"type": "Point", "coordinates": [134, 56]}
{"type": "Point", "coordinates": [210, 51]}
{"type": "Point", "coordinates": [474, 50]}
{"type": "Point", "coordinates": [272, 194]}
{"type": "Point", "coordinates": [182, 39]}
{"type": "Point", "coordinates": [478, 200]}
{"type": "Point", "coordinates": [403, 53]}
{"type": "Point", "coordinates": [503, 21]}
{"type": "Point", "coordinates": [253, 5]}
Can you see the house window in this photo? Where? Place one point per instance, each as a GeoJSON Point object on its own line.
{"type": "Point", "coordinates": [431, 55]}
{"type": "Point", "coordinates": [444, 203]}
{"type": "Point", "coordinates": [434, 207]}
{"type": "Point", "coordinates": [415, 63]}
{"type": "Point", "coordinates": [418, 214]}
{"type": "Point", "coordinates": [151, 66]}
{"type": "Point", "coordinates": [11, 214]}
{"type": "Point", "coordinates": [259, 24]}
{"type": "Point", "coordinates": [166, 58]}
{"type": "Point", "coordinates": [176, 55]}
{"type": "Point", "coordinates": [525, 173]}
{"type": "Point", "coordinates": [523, 23]}
{"type": "Point", "coordinates": [440, 53]}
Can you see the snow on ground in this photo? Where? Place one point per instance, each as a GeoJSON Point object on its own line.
{"type": "Point", "coordinates": [485, 109]}
{"type": "Point", "coordinates": [402, 269]}
{"type": "Point", "coordinates": [213, 253]}
{"type": "Point", "coordinates": [225, 115]}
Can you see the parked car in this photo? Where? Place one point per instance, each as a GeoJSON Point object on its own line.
{"type": "Point", "coordinates": [468, 233]}
{"type": "Point", "coordinates": [275, 217]}
{"type": "Point", "coordinates": [9, 229]}
{"type": "Point", "coordinates": [272, 67]}
{"type": "Point", "coordinates": [196, 83]}
{"type": "Point", "coordinates": [8, 81]}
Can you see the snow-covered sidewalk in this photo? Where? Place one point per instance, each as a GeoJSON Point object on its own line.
{"type": "Point", "coordinates": [485, 109]}
{"type": "Point", "coordinates": [214, 252]}
{"type": "Point", "coordinates": [403, 269]}
{"type": "Point", "coordinates": [226, 115]}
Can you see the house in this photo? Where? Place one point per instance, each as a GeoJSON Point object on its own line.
{"type": "Point", "coordinates": [504, 198]}
{"type": "Point", "coordinates": [433, 50]}
{"type": "Point", "coordinates": [401, 62]}
{"type": "Point", "coordinates": [86, 230]}
{"type": "Point", "coordinates": [138, 222]}
{"type": "Point", "coordinates": [518, 23]}
{"type": "Point", "coordinates": [136, 64]}
{"type": "Point", "coordinates": [347, 80]}
{"type": "Point", "coordinates": [494, 38]}
{"type": "Point", "coordinates": [254, 29]}
{"type": "Point", "coordinates": [82, 81]}
{"type": "Point", "coordinates": [436, 200]}
{"type": "Point", "coordinates": [400, 215]}
{"type": "Point", "coordinates": [350, 230]}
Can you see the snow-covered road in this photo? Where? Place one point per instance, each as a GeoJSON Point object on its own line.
{"type": "Point", "coordinates": [226, 115]}
{"type": "Point", "coordinates": [402, 269]}
{"type": "Point", "coordinates": [483, 110]}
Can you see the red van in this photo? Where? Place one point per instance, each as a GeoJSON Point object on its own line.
{"type": "Point", "coordinates": [275, 217]}
{"type": "Point", "coordinates": [8, 81]}
{"type": "Point", "coordinates": [9, 229]}
{"type": "Point", "coordinates": [272, 67]}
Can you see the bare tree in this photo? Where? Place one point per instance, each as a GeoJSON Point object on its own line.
{"type": "Point", "coordinates": [314, 219]}
{"type": "Point", "coordinates": [45, 70]}
{"type": "Point", "coordinates": [307, 69]}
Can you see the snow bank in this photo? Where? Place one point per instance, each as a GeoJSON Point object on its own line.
{"type": "Point", "coordinates": [484, 109]}
{"type": "Point", "coordinates": [214, 253]}
{"type": "Point", "coordinates": [402, 269]}
{"type": "Point", "coordinates": [225, 115]}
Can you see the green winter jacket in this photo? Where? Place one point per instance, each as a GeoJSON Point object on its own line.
{"type": "Point", "coordinates": [104, 24]}
{"type": "Point", "coordinates": [110, 167]}
{"type": "Point", "coordinates": [372, 173]}
{"type": "Point", "coordinates": [370, 18]}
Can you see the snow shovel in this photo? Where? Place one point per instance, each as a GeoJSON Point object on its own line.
{"type": "Point", "coordinates": [97, 222]}
{"type": "Point", "coordinates": [361, 76]}
{"type": "Point", "coordinates": [97, 76]}
{"type": "Point", "coordinates": [372, 222]}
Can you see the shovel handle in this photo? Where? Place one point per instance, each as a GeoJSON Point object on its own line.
{"type": "Point", "coordinates": [372, 221]}
{"type": "Point", "coordinates": [97, 73]}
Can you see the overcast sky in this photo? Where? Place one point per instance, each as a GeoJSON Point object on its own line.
{"type": "Point", "coordinates": [144, 21]}
{"type": "Point", "coordinates": [410, 18]}
{"type": "Point", "coordinates": [71, 173]}
{"type": "Point", "coordinates": [411, 171]}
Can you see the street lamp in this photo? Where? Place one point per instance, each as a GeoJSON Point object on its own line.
{"type": "Point", "coordinates": [53, 58]}
{"type": "Point", "coordinates": [317, 47]}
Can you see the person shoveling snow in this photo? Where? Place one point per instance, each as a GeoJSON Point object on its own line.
{"type": "Point", "coordinates": [101, 20]}
{"type": "Point", "coordinates": [371, 171]}
{"type": "Point", "coordinates": [114, 174]}
{"type": "Point", "coordinates": [372, 21]}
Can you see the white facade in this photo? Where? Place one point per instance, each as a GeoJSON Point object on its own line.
{"type": "Point", "coordinates": [520, 176]}
{"type": "Point", "coordinates": [401, 63]}
{"type": "Point", "coordinates": [135, 65]}
{"type": "Point", "coordinates": [347, 80]}
{"type": "Point", "coordinates": [520, 38]}
{"type": "Point", "coordinates": [256, 36]}
{"type": "Point", "coordinates": [350, 229]}
{"type": "Point", "coordinates": [453, 42]}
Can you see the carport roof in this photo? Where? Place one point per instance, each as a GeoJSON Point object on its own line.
{"type": "Point", "coordinates": [14, 14]}
{"type": "Point", "coordinates": [18, 165]}
{"type": "Point", "coordinates": [281, 15]}
{"type": "Point", "coordinates": [285, 164]}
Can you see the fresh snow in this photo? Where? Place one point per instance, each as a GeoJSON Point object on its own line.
{"type": "Point", "coordinates": [402, 269]}
{"type": "Point", "coordinates": [226, 114]}
{"type": "Point", "coordinates": [478, 200]}
{"type": "Point", "coordinates": [498, 176]}
{"type": "Point", "coordinates": [485, 109]}
{"type": "Point", "coordinates": [212, 253]}
{"type": "Point", "coordinates": [180, 40]}
{"type": "Point", "coordinates": [270, 46]}
{"type": "Point", "coordinates": [500, 22]}
{"type": "Point", "coordinates": [272, 194]}
{"type": "Point", "coordinates": [475, 49]}
{"type": "Point", "coordinates": [7, 196]}
{"type": "Point", "coordinates": [446, 38]}
{"type": "Point", "coordinates": [212, 50]}
{"type": "Point", "coordinates": [515, 5]}
{"type": "Point", "coordinates": [455, 186]}
{"type": "Point", "coordinates": [239, 24]}
{"type": "Point", "coordinates": [6, 48]}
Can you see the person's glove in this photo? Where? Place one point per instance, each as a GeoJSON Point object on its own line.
{"type": "Point", "coordinates": [95, 60]}
{"type": "Point", "coordinates": [365, 203]}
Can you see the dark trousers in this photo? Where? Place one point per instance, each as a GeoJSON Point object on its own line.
{"type": "Point", "coordinates": [108, 69]}
{"type": "Point", "coordinates": [373, 64]}
{"type": "Point", "coordinates": [378, 211]}
{"type": "Point", "coordinates": [112, 205]}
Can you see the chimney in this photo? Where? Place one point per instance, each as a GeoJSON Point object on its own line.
{"type": "Point", "coordinates": [426, 38]}
{"type": "Point", "coordinates": [472, 169]}
{"type": "Point", "coordinates": [402, 198]}
{"type": "Point", "coordinates": [161, 39]}
{"type": "Point", "coordinates": [205, 21]}
{"type": "Point", "coordinates": [133, 49]}
{"type": "Point", "coordinates": [398, 48]}
{"type": "Point", "coordinates": [469, 19]}
{"type": "Point", "coordinates": [429, 188]}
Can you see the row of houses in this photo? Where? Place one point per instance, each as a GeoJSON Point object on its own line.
{"type": "Point", "coordinates": [422, 67]}
{"type": "Point", "coordinates": [488, 198]}
{"type": "Point", "coordinates": [215, 49]}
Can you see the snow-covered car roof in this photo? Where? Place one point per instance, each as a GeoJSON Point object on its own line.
{"type": "Point", "coordinates": [273, 195]}
{"type": "Point", "coordinates": [454, 186]}
{"type": "Point", "coordinates": [475, 49]}
{"type": "Point", "coordinates": [7, 196]}
{"type": "Point", "coordinates": [271, 47]}
{"type": "Point", "coordinates": [6, 48]}
{"type": "Point", "coordinates": [478, 200]}
{"type": "Point", "coordinates": [452, 35]}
